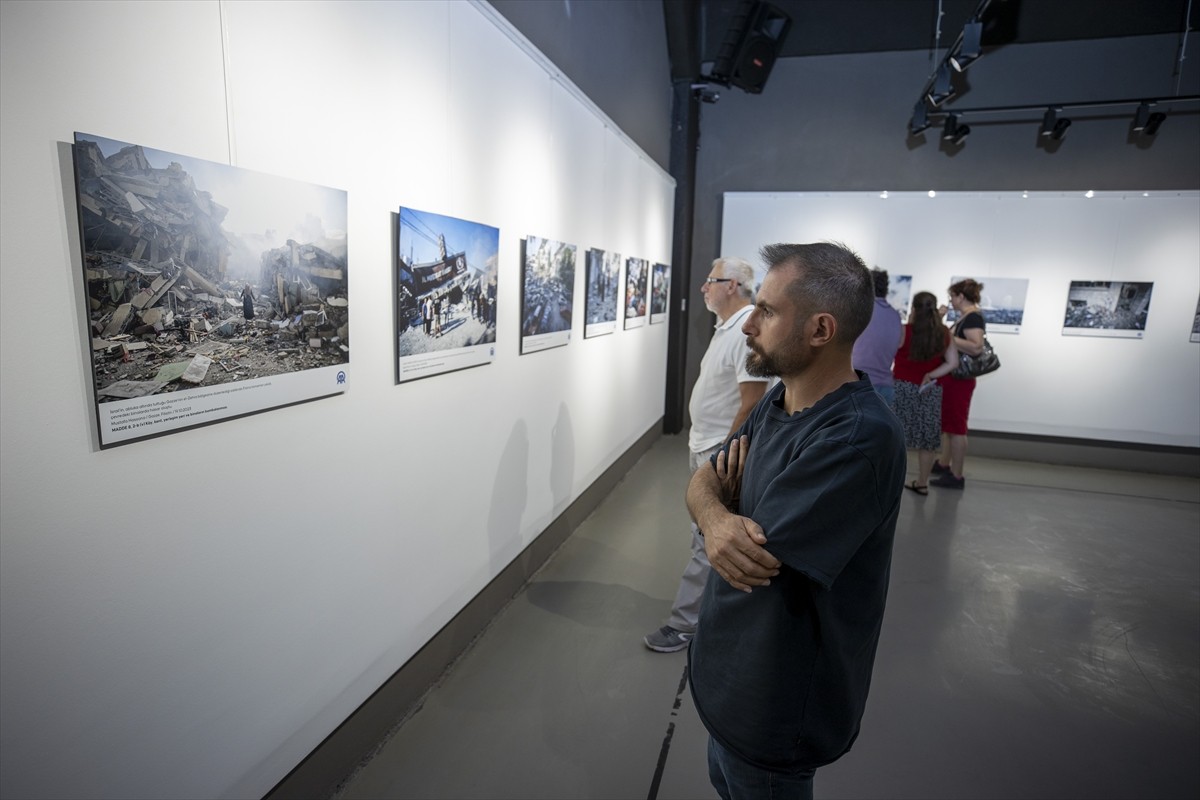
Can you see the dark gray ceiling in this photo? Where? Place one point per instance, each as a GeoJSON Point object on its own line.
{"type": "Point", "coordinates": [822, 27]}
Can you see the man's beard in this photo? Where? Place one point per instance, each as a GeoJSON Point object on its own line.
{"type": "Point", "coordinates": [760, 366]}
{"type": "Point", "coordinates": [790, 362]}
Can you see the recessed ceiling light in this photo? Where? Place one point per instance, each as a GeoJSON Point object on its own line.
{"type": "Point", "coordinates": [932, 193]}
{"type": "Point", "coordinates": [1089, 193]}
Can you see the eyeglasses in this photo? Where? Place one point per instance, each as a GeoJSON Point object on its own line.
{"type": "Point", "coordinates": [717, 280]}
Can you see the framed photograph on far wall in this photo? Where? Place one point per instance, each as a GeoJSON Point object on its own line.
{"type": "Point", "coordinates": [212, 292]}
{"type": "Point", "coordinates": [603, 282]}
{"type": "Point", "coordinates": [660, 294]}
{"type": "Point", "coordinates": [900, 294]}
{"type": "Point", "coordinates": [635, 292]}
{"type": "Point", "coordinates": [1195, 337]}
{"type": "Point", "coordinates": [1002, 301]}
{"type": "Point", "coordinates": [547, 293]}
{"type": "Point", "coordinates": [1107, 308]}
{"type": "Point", "coordinates": [445, 294]}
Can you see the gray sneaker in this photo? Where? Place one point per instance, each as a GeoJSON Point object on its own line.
{"type": "Point", "coordinates": [667, 640]}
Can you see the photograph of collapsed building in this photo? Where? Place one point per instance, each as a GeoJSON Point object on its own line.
{"type": "Point", "coordinates": [446, 293]}
{"type": "Point", "coordinates": [547, 293]}
{"type": "Point", "coordinates": [200, 274]}
{"type": "Point", "coordinates": [1002, 301]}
{"type": "Point", "coordinates": [660, 293]}
{"type": "Point", "coordinates": [603, 278]}
{"type": "Point", "coordinates": [1107, 308]}
{"type": "Point", "coordinates": [635, 292]}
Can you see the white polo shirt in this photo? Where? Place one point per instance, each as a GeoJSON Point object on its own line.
{"type": "Point", "coordinates": [716, 397]}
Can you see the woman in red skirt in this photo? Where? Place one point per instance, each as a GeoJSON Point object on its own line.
{"type": "Point", "coordinates": [956, 392]}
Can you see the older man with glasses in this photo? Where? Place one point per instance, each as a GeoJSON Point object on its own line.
{"type": "Point", "coordinates": [722, 398]}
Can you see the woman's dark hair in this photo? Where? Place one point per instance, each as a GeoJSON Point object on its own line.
{"type": "Point", "coordinates": [928, 332]}
{"type": "Point", "coordinates": [967, 288]}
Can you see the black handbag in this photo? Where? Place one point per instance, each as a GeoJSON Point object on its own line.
{"type": "Point", "coordinates": [974, 366]}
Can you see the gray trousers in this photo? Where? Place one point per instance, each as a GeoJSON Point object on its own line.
{"type": "Point", "coordinates": [686, 610]}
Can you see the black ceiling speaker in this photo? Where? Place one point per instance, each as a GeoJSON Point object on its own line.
{"type": "Point", "coordinates": [751, 46]}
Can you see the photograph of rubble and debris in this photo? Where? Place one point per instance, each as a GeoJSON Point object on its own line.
{"type": "Point", "coordinates": [1107, 308]}
{"type": "Point", "coordinates": [547, 293]}
{"type": "Point", "coordinates": [200, 274]}
{"type": "Point", "coordinates": [446, 271]}
{"type": "Point", "coordinates": [635, 292]}
{"type": "Point", "coordinates": [659, 294]}
{"type": "Point", "coordinates": [603, 278]}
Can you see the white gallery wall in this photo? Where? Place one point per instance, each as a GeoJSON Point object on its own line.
{"type": "Point", "coordinates": [189, 616]}
{"type": "Point", "coordinates": [1144, 391]}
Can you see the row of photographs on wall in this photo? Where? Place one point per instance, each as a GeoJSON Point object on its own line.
{"type": "Point", "coordinates": [1117, 309]}
{"type": "Point", "coordinates": [446, 278]}
{"type": "Point", "coordinates": [213, 292]}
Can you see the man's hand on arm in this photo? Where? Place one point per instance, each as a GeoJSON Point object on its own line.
{"type": "Point", "coordinates": [733, 543]}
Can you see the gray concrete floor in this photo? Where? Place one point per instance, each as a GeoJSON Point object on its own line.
{"type": "Point", "coordinates": [1042, 640]}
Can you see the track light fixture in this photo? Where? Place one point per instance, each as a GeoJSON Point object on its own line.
{"type": "Point", "coordinates": [1053, 125]}
{"type": "Point", "coordinates": [942, 89]}
{"type": "Point", "coordinates": [1147, 122]}
{"type": "Point", "coordinates": [952, 131]}
{"type": "Point", "coordinates": [920, 118]}
{"type": "Point", "coordinates": [970, 47]}
{"type": "Point", "coordinates": [1141, 116]}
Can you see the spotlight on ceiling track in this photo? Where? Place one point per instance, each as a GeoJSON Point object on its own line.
{"type": "Point", "coordinates": [1152, 125]}
{"type": "Point", "coordinates": [1141, 116]}
{"type": "Point", "coordinates": [920, 118]}
{"type": "Point", "coordinates": [1053, 125]}
{"type": "Point", "coordinates": [970, 48]}
{"type": "Point", "coordinates": [942, 89]}
{"type": "Point", "coordinates": [952, 131]}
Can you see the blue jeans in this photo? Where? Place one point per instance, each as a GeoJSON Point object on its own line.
{"type": "Point", "coordinates": [888, 393]}
{"type": "Point", "coordinates": [735, 779]}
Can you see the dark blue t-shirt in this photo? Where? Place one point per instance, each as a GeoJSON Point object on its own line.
{"type": "Point", "coordinates": [780, 675]}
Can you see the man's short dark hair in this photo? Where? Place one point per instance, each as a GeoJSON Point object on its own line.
{"type": "Point", "coordinates": [833, 279]}
{"type": "Point", "coordinates": [880, 277]}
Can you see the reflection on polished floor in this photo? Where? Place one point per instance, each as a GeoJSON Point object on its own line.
{"type": "Point", "coordinates": [1042, 640]}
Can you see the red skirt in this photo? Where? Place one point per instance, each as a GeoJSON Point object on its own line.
{"type": "Point", "coordinates": [956, 403]}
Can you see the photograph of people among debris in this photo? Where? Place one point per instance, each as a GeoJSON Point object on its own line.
{"type": "Point", "coordinates": [603, 278]}
{"type": "Point", "coordinates": [635, 292]}
{"type": "Point", "coordinates": [446, 271]}
{"type": "Point", "coordinates": [660, 294]}
{"type": "Point", "coordinates": [1107, 308]}
{"type": "Point", "coordinates": [1002, 301]}
{"type": "Point", "coordinates": [547, 293]}
{"type": "Point", "coordinates": [199, 275]}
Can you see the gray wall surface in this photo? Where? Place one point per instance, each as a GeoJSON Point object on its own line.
{"type": "Point", "coordinates": [839, 123]}
{"type": "Point", "coordinates": [615, 52]}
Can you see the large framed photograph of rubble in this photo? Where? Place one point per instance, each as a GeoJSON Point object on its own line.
{"type": "Point", "coordinates": [635, 292]}
{"type": "Point", "coordinates": [446, 270]}
{"type": "Point", "coordinates": [1195, 337]}
{"type": "Point", "coordinates": [1107, 308]}
{"type": "Point", "coordinates": [213, 292]}
{"type": "Point", "coordinates": [1002, 301]}
{"type": "Point", "coordinates": [660, 293]}
{"type": "Point", "coordinates": [547, 293]}
{"type": "Point", "coordinates": [603, 278]}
